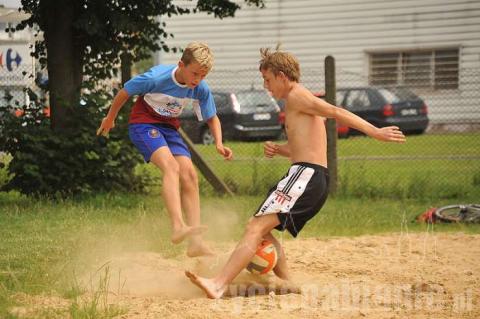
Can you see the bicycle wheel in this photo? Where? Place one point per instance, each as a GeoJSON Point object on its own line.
{"type": "Point", "coordinates": [459, 213]}
{"type": "Point", "coordinates": [472, 214]}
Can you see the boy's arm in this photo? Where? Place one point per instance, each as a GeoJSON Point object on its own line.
{"type": "Point", "coordinates": [216, 129]}
{"type": "Point", "coordinates": [315, 106]}
{"type": "Point", "coordinates": [108, 121]}
{"type": "Point", "coordinates": [270, 149]}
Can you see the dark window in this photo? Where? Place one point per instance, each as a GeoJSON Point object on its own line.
{"type": "Point", "coordinates": [435, 69]}
{"type": "Point", "coordinates": [446, 69]}
{"type": "Point", "coordinates": [357, 100]}
{"type": "Point", "coordinates": [384, 69]}
{"type": "Point", "coordinates": [256, 101]}
{"type": "Point", "coordinates": [417, 69]}
{"type": "Point", "coordinates": [340, 96]}
{"type": "Point", "coordinates": [221, 101]}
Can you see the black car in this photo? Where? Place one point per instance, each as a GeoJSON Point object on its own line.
{"type": "Point", "coordinates": [384, 107]}
{"type": "Point", "coordinates": [245, 115]}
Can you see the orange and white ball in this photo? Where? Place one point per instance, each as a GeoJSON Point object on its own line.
{"type": "Point", "coordinates": [265, 258]}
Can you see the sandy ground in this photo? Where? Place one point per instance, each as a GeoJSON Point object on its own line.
{"type": "Point", "coordinates": [426, 275]}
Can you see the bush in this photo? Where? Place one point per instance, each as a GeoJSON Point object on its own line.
{"type": "Point", "coordinates": [5, 176]}
{"type": "Point", "coordinates": [74, 162]}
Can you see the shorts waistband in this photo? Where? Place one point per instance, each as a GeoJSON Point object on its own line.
{"type": "Point", "coordinates": [159, 125]}
{"type": "Point", "coordinates": [311, 165]}
{"type": "Point", "coordinates": [166, 125]}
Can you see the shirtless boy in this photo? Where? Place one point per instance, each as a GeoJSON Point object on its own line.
{"type": "Point", "coordinates": [301, 193]}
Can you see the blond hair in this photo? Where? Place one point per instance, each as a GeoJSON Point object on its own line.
{"type": "Point", "coordinates": [198, 52]}
{"type": "Point", "coordinates": [279, 61]}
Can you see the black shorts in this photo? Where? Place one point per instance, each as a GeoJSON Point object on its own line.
{"type": "Point", "coordinates": [297, 197]}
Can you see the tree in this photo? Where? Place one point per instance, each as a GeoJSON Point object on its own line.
{"type": "Point", "coordinates": [91, 37]}
{"type": "Point", "coordinates": [84, 41]}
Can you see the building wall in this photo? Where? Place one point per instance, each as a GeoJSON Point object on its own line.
{"type": "Point", "coordinates": [348, 30]}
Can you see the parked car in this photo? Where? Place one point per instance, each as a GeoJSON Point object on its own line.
{"type": "Point", "coordinates": [384, 107]}
{"type": "Point", "coordinates": [245, 115]}
{"type": "Point", "coordinates": [342, 130]}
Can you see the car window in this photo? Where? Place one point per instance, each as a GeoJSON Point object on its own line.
{"type": "Point", "coordinates": [255, 101]}
{"type": "Point", "coordinates": [221, 101]}
{"type": "Point", "coordinates": [400, 93]}
{"type": "Point", "coordinates": [357, 100]}
{"type": "Point", "coordinates": [389, 96]}
{"type": "Point", "coordinates": [281, 104]}
{"type": "Point", "coordinates": [340, 96]}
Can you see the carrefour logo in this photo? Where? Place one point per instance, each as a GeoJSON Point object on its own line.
{"type": "Point", "coordinates": [10, 59]}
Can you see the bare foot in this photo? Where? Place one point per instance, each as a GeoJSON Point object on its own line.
{"type": "Point", "coordinates": [179, 235]}
{"type": "Point", "coordinates": [207, 285]}
{"type": "Point", "coordinates": [196, 250]}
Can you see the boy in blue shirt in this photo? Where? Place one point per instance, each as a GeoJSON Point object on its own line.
{"type": "Point", "coordinates": [163, 92]}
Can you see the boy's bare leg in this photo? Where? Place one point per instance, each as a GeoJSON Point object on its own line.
{"type": "Point", "coordinates": [257, 228]}
{"type": "Point", "coordinates": [164, 160]}
{"type": "Point", "coordinates": [281, 269]}
{"type": "Point", "coordinates": [190, 198]}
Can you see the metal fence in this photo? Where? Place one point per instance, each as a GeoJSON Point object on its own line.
{"type": "Point", "coordinates": [441, 162]}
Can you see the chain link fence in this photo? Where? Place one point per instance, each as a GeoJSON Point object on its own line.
{"type": "Point", "coordinates": [441, 158]}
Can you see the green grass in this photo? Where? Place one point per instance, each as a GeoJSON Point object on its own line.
{"type": "Point", "coordinates": [426, 166]}
{"type": "Point", "coordinates": [44, 244]}
{"type": "Point", "coordinates": [416, 145]}
{"type": "Point", "coordinates": [426, 144]}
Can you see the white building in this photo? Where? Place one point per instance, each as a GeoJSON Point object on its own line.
{"type": "Point", "coordinates": [430, 45]}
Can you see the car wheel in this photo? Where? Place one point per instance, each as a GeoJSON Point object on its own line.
{"type": "Point", "coordinates": [206, 137]}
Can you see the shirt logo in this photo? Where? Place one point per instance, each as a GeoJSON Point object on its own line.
{"type": "Point", "coordinates": [153, 133]}
{"type": "Point", "coordinates": [167, 105]}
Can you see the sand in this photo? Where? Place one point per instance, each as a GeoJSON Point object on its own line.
{"type": "Point", "coordinates": [429, 275]}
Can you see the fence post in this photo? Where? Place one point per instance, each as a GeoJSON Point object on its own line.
{"type": "Point", "coordinates": [330, 97]}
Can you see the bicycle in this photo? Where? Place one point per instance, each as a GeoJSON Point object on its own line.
{"type": "Point", "coordinates": [461, 213]}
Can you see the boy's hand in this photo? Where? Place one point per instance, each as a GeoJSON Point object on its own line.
{"type": "Point", "coordinates": [225, 152]}
{"type": "Point", "coordinates": [270, 149]}
{"type": "Point", "coordinates": [389, 134]}
{"type": "Point", "coordinates": [106, 126]}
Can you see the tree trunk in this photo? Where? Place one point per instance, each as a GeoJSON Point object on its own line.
{"type": "Point", "coordinates": [126, 67]}
{"type": "Point", "coordinates": [64, 63]}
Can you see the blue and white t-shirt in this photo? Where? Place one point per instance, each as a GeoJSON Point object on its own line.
{"type": "Point", "coordinates": [162, 99]}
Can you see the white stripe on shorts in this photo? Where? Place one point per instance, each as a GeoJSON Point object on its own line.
{"type": "Point", "coordinates": [289, 189]}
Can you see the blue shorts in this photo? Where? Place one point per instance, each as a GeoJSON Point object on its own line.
{"type": "Point", "coordinates": [150, 137]}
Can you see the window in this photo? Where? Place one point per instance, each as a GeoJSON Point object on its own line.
{"type": "Point", "coordinates": [384, 69]}
{"type": "Point", "coordinates": [436, 69]}
{"type": "Point", "coordinates": [357, 100]}
{"type": "Point", "coordinates": [340, 97]}
{"type": "Point", "coordinates": [221, 102]}
{"type": "Point", "coordinates": [446, 69]}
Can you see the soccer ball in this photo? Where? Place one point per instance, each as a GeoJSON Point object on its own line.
{"type": "Point", "coordinates": [265, 258]}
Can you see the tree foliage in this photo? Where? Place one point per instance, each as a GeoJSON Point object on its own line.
{"type": "Point", "coordinates": [80, 42]}
{"type": "Point", "coordinates": [101, 30]}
